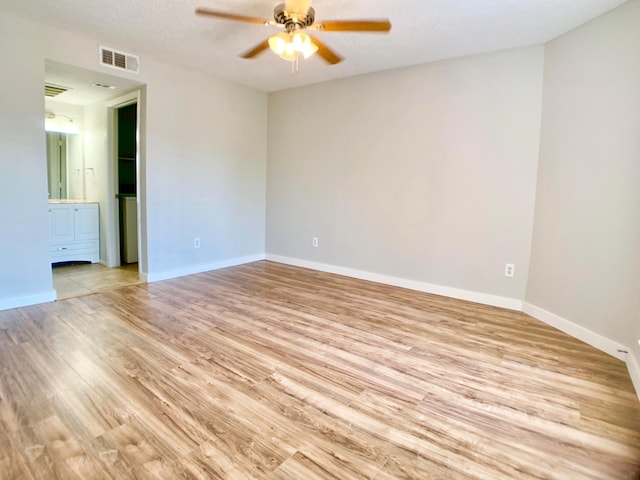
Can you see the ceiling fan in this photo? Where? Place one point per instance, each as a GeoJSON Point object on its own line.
{"type": "Point", "coordinates": [293, 17]}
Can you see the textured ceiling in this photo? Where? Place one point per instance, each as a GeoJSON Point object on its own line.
{"type": "Point", "coordinates": [423, 31]}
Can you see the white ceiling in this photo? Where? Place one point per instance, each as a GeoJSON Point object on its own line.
{"type": "Point", "coordinates": [82, 84]}
{"type": "Point", "coordinates": [423, 31]}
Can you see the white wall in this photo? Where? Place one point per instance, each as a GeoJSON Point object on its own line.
{"type": "Point", "coordinates": [426, 173]}
{"type": "Point", "coordinates": [585, 262]}
{"type": "Point", "coordinates": [205, 164]}
{"type": "Point", "coordinates": [25, 275]}
{"type": "Point", "coordinates": [96, 168]}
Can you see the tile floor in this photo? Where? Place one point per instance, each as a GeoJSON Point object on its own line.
{"type": "Point", "coordinates": [78, 280]}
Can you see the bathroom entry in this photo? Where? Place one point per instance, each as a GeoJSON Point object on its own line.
{"type": "Point", "coordinates": [127, 126]}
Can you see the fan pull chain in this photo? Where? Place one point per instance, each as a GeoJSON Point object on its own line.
{"type": "Point", "coordinates": [294, 65]}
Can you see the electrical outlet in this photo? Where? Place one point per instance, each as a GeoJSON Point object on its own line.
{"type": "Point", "coordinates": [314, 242]}
{"type": "Point", "coordinates": [196, 242]}
{"type": "Point", "coordinates": [510, 270]}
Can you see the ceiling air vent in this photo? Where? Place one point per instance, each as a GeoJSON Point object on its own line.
{"type": "Point", "coordinates": [120, 60]}
{"type": "Point", "coordinates": [51, 90]}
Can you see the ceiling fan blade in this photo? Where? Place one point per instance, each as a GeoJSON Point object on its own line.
{"type": "Point", "coordinates": [257, 50]}
{"type": "Point", "coordinates": [379, 25]}
{"type": "Point", "coordinates": [297, 6]}
{"type": "Point", "coordinates": [232, 16]}
{"type": "Point", "coordinates": [325, 52]}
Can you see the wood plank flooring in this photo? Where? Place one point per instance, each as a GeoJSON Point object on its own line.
{"type": "Point", "coordinates": [266, 371]}
{"type": "Point", "coordinates": [78, 280]}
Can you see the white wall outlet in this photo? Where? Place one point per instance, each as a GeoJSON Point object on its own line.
{"type": "Point", "coordinates": [196, 242]}
{"type": "Point", "coordinates": [510, 270]}
{"type": "Point", "coordinates": [314, 242]}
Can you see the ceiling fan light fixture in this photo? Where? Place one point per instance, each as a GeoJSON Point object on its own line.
{"type": "Point", "coordinates": [278, 43]}
{"type": "Point", "coordinates": [309, 49]}
{"type": "Point", "coordinates": [289, 55]}
{"type": "Point", "coordinates": [288, 45]}
{"type": "Point", "coordinates": [298, 40]}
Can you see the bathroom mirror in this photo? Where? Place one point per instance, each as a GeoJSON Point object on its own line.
{"type": "Point", "coordinates": [65, 166]}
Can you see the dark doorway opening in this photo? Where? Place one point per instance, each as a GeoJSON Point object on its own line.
{"type": "Point", "coordinates": [127, 120]}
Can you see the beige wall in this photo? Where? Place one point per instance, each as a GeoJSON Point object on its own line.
{"type": "Point", "coordinates": [585, 262]}
{"type": "Point", "coordinates": [211, 181]}
{"type": "Point", "coordinates": [425, 173]}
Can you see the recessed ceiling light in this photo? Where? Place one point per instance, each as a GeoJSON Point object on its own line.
{"type": "Point", "coordinates": [103, 85]}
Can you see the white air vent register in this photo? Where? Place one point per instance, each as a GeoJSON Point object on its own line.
{"type": "Point", "coordinates": [120, 60]}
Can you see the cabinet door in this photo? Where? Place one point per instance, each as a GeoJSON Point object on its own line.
{"type": "Point", "coordinates": [61, 223]}
{"type": "Point", "coordinates": [86, 221]}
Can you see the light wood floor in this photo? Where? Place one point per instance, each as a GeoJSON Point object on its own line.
{"type": "Point", "coordinates": [266, 371]}
{"type": "Point", "coordinates": [77, 280]}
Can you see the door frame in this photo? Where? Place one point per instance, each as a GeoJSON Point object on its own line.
{"type": "Point", "coordinates": [112, 215]}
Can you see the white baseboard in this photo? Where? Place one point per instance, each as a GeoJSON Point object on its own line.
{"type": "Point", "coordinates": [581, 333]}
{"type": "Point", "coordinates": [633, 365]}
{"type": "Point", "coordinates": [190, 270]}
{"type": "Point", "coordinates": [15, 302]}
{"type": "Point", "coordinates": [484, 298]}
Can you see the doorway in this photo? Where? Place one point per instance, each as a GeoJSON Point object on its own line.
{"type": "Point", "coordinates": [126, 118]}
{"type": "Point", "coordinates": [90, 101]}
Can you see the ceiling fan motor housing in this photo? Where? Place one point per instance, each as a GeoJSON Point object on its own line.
{"type": "Point", "coordinates": [293, 20]}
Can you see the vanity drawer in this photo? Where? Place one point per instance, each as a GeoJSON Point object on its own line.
{"type": "Point", "coordinates": [80, 251]}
